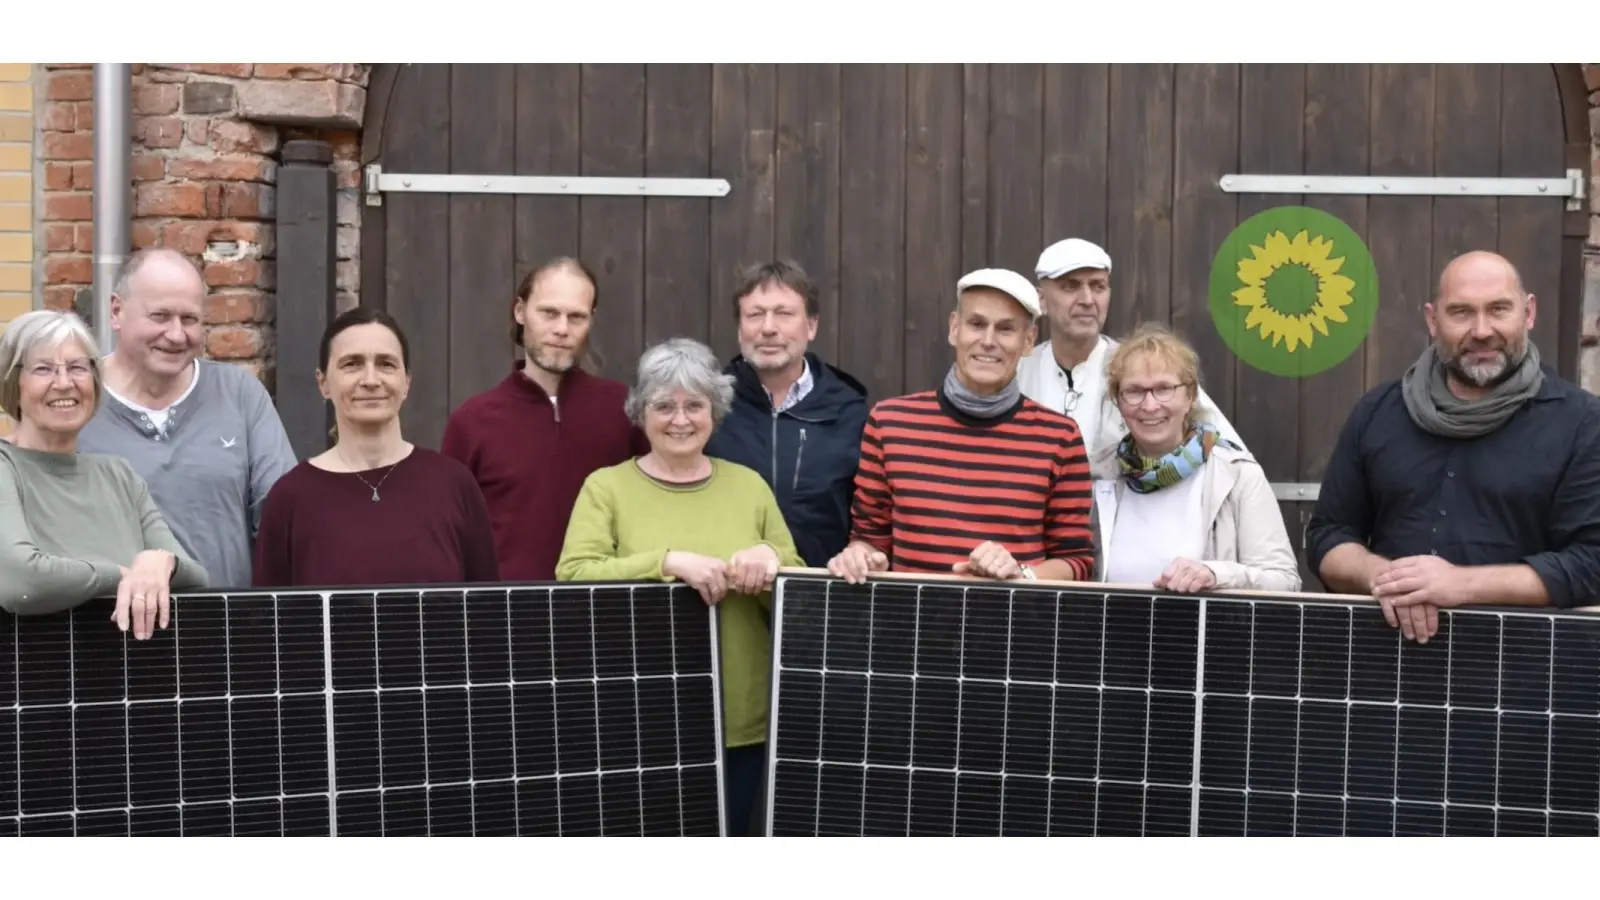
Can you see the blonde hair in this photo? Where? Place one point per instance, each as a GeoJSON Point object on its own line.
{"type": "Point", "coordinates": [1157, 343]}
{"type": "Point", "coordinates": [49, 328]}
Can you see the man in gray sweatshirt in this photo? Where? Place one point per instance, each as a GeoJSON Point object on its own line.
{"type": "Point", "coordinates": [204, 435]}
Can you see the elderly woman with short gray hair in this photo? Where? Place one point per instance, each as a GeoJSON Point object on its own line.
{"type": "Point", "coordinates": [677, 514]}
{"type": "Point", "coordinates": [74, 526]}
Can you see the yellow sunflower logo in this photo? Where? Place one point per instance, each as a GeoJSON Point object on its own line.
{"type": "Point", "coordinates": [1293, 288]}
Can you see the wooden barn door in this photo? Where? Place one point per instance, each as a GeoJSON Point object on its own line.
{"type": "Point", "coordinates": [888, 181]}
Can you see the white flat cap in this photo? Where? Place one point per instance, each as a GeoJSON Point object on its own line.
{"type": "Point", "coordinates": [1069, 255]}
{"type": "Point", "coordinates": [1006, 281]}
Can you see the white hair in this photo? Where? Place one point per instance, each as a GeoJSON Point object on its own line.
{"type": "Point", "coordinates": [680, 363]}
{"type": "Point", "coordinates": [42, 328]}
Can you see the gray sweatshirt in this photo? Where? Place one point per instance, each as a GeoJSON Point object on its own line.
{"type": "Point", "coordinates": [209, 468]}
{"type": "Point", "coordinates": [68, 522]}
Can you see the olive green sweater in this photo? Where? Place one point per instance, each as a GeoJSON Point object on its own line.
{"type": "Point", "coordinates": [622, 527]}
{"type": "Point", "coordinates": [69, 522]}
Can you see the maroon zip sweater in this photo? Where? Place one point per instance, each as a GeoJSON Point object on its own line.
{"type": "Point", "coordinates": [530, 458]}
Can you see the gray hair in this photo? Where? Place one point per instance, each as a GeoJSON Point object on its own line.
{"type": "Point", "coordinates": [123, 285]}
{"type": "Point", "coordinates": [680, 363]}
{"type": "Point", "coordinates": [46, 328]}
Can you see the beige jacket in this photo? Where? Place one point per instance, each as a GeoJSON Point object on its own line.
{"type": "Point", "coordinates": [1248, 546]}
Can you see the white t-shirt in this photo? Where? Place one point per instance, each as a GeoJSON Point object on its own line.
{"type": "Point", "coordinates": [1151, 530]}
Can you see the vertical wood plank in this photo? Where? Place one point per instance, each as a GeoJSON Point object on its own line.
{"type": "Point", "coordinates": [1074, 177]}
{"type": "Point", "coordinates": [1338, 113]}
{"type": "Point", "coordinates": [872, 226]}
{"type": "Point", "coordinates": [744, 122]}
{"type": "Point", "coordinates": [933, 220]}
{"type": "Point", "coordinates": [482, 228]}
{"type": "Point", "coordinates": [1271, 140]}
{"type": "Point", "coordinates": [1530, 235]}
{"type": "Point", "coordinates": [547, 144]}
{"type": "Point", "coordinates": [1402, 137]}
{"type": "Point", "coordinates": [611, 229]}
{"type": "Point", "coordinates": [1139, 226]}
{"type": "Point", "coordinates": [417, 258]}
{"type": "Point", "coordinates": [1205, 146]}
{"type": "Point", "coordinates": [1466, 117]}
{"type": "Point", "coordinates": [677, 253]}
{"type": "Point", "coordinates": [808, 185]}
{"type": "Point", "coordinates": [974, 167]}
{"type": "Point", "coordinates": [1016, 166]}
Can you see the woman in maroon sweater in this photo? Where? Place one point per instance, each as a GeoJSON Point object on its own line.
{"type": "Point", "coordinates": [374, 509]}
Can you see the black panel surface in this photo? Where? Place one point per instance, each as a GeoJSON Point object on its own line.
{"type": "Point", "coordinates": [905, 708]}
{"type": "Point", "coordinates": [523, 711]}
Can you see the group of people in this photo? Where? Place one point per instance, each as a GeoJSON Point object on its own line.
{"type": "Point", "coordinates": [1475, 478]}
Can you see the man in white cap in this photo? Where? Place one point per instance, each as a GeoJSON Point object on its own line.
{"type": "Point", "coordinates": [1068, 372]}
{"type": "Point", "coordinates": [974, 478]}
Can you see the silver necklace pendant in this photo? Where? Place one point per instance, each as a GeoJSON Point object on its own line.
{"type": "Point", "coordinates": [374, 495]}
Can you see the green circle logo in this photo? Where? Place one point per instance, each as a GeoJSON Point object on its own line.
{"type": "Point", "coordinates": [1293, 291]}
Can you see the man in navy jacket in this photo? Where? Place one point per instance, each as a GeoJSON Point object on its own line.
{"type": "Point", "coordinates": [795, 419]}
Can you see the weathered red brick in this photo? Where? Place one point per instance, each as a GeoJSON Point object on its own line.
{"type": "Point", "coordinates": [73, 85]}
{"type": "Point", "coordinates": [54, 66]}
{"type": "Point", "coordinates": [328, 104]}
{"type": "Point", "coordinates": [233, 342]}
{"type": "Point", "coordinates": [68, 269]}
{"type": "Point", "coordinates": [192, 237]}
{"type": "Point", "coordinates": [155, 99]}
{"type": "Point", "coordinates": [233, 273]}
{"type": "Point", "coordinates": [83, 176]}
{"type": "Point", "coordinates": [58, 237]}
{"type": "Point", "coordinates": [158, 133]}
{"type": "Point", "coordinates": [346, 144]}
{"type": "Point", "coordinates": [58, 116]}
{"type": "Point", "coordinates": [224, 167]}
{"type": "Point", "coordinates": [347, 173]}
{"type": "Point", "coordinates": [234, 306]}
{"type": "Point", "coordinates": [240, 200]}
{"type": "Point", "coordinates": [67, 145]}
{"type": "Point", "coordinates": [83, 114]}
{"type": "Point", "coordinates": [231, 136]}
{"type": "Point", "coordinates": [146, 233]}
{"type": "Point", "coordinates": [58, 176]}
{"type": "Point", "coordinates": [226, 70]}
{"type": "Point", "coordinates": [147, 167]}
{"type": "Point", "coordinates": [83, 238]}
{"type": "Point", "coordinates": [60, 296]}
{"type": "Point", "coordinates": [68, 205]}
{"type": "Point", "coordinates": [175, 200]}
{"type": "Point", "coordinates": [1591, 75]}
{"type": "Point", "coordinates": [197, 131]}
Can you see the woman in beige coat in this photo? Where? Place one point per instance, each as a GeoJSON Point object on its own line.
{"type": "Point", "coordinates": [1177, 506]}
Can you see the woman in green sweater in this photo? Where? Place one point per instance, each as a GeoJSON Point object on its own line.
{"type": "Point", "coordinates": [75, 526]}
{"type": "Point", "coordinates": [677, 514]}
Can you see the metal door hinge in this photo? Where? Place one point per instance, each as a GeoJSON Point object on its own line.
{"type": "Point", "coordinates": [1570, 186]}
{"type": "Point", "coordinates": [379, 182]}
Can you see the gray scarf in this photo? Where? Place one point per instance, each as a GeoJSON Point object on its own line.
{"type": "Point", "coordinates": [980, 406]}
{"type": "Point", "coordinates": [1437, 411]}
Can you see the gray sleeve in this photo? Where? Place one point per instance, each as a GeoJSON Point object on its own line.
{"type": "Point", "coordinates": [33, 582]}
{"type": "Point", "coordinates": [271, 454]}
{"type": "Point", "coordinates": [187, 575]}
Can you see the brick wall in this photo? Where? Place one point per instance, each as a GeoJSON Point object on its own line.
{"type": "Point", "coordinates": [16, 196]}
{"type": "Point", "coordinates": [204, 170]}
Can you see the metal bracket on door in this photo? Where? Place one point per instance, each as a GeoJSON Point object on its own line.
{"type": "Point", "coordinates": [1569, 186]}
{"type": "Point", "coordinates": [1299, 491]}
{"type": "Point", "coordinates": [379, 182]}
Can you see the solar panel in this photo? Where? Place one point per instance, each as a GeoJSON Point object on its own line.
{"type": "Point", "coordinates": [552, 710]}
{"type": "Point", "coordinates": [911, 707]}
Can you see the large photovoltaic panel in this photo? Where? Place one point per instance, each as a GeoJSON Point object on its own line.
{"type": "Point", "coordinates": [905, 707]}
{"type": "Point", "coordinates": [546, 710]}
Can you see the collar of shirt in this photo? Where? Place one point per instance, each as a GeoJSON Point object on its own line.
{"type": "Point", "coordinates": [798, 392]}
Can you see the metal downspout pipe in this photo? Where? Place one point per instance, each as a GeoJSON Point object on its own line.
{"type": "Point", "coordinates": [113, 188]}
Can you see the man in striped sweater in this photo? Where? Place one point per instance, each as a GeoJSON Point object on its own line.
{"type": "Point", "coordinates": [973, 478]}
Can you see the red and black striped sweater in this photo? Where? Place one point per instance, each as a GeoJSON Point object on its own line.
{"type": "Point", "coordinates": [934, 483]}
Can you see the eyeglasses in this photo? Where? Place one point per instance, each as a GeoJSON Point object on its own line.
{"type": "Point", "coordinates": [77, 370]}
{"type": "Point", "coordinates": [1071, 402]}
{"type": "Point", "coordinates": [1135, 396]}
{"type": "Point", "coordinates": [667, 409]}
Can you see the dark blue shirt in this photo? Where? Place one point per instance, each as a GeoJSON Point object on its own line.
{"type": "Point", "coordinates": [1528, 492]}
{"type": "Point", "coordinates": [807, 453]}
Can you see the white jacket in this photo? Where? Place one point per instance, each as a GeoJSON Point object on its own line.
{"type": "Point", "coordinates": [1247, 545]}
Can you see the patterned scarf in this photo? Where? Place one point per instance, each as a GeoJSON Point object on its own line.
{"type": "Point", "coordinates": [1146, 475]}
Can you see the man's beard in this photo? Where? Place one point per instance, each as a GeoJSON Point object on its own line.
{"type": "Point", "coordinates": [1487, 375]}
{"type": "Point", "coordinates": [551, 363]}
